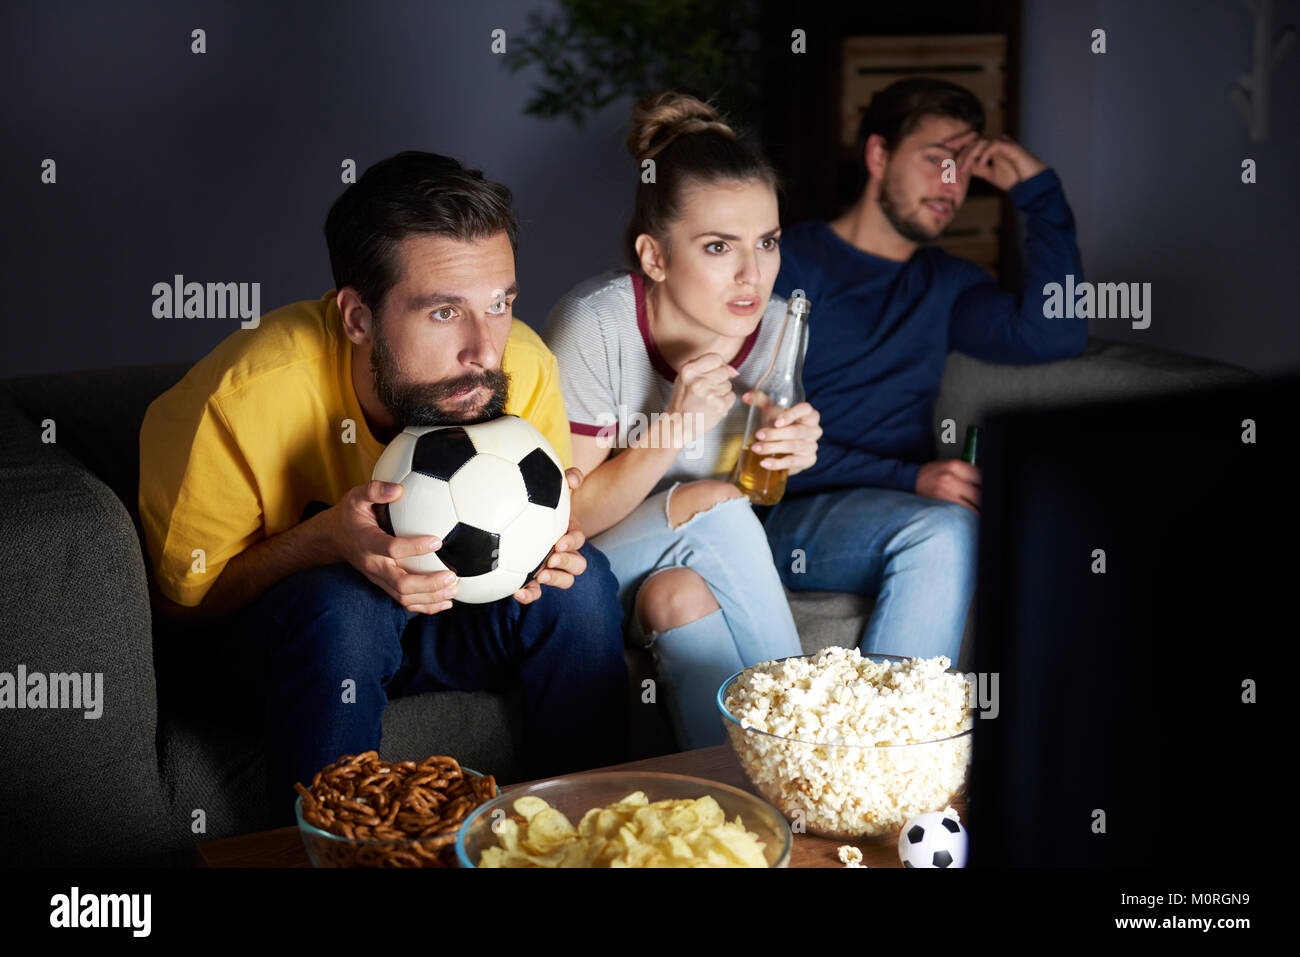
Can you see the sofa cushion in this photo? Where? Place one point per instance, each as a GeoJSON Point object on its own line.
{"type": "Point", "coordinates": [972, 389]}
{"type": "Point", "coordinates": [98, 414]}
{"type": "Point", "coordinates": [74, 602]}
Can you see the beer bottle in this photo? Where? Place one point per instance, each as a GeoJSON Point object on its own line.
{"type": "Point", "coordinates": [970, 453]}
{"type": "Point", "coordinates": [780, 387]}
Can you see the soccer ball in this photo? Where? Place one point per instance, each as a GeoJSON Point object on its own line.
{"type": "Point", "coordinates": [932, 840]}
{"type": "Point", "coordinates": [494, 494]}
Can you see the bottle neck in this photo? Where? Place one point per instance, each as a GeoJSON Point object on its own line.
{"type": "Point", "coordinates": [783, 380]}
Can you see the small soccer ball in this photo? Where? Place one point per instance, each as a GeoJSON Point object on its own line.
{"type": "Point", "coordinates": [932, 840]}
{"type": "Point", "coordinates": [494, 493]}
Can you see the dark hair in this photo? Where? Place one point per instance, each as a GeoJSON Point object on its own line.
{"type": "Point", "coordinates": [689, 143]}
{"type": "Point", "coordinates": [412, 192]}
{"type": "Point", "coordinates": [896, 110]}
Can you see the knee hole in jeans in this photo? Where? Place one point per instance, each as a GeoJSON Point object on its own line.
{"type": "Point", "coordinates": [688, 500]}
{"type": "Point", "coordinates": [672, 598]}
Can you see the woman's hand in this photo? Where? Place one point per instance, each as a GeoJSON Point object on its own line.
{"type": "Point", "coordinates": [790, 442]}
{"type": "Point", "coordinates": [702, 393]}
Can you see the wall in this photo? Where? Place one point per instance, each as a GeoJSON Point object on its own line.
{"type": "Point", "coordinates": [1150, 150]}
{"type": "Point", "coordinates": [222, 166]}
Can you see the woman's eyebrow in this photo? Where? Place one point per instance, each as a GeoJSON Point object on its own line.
{"type": "Point", "coordinates": [714, 232]}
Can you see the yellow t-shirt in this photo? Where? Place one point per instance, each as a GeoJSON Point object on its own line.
{"type": "Point", "coordinates": [256, 431]}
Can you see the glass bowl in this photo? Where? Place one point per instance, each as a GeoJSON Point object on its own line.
{"type": "Point", "coordinates": [333, 850]}
{"type": "Point", "coordinates": [574, 795]}
{"type": "Point", "coordinates": [849, 791]}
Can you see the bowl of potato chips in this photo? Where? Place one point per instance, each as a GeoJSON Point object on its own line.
{"type": "Point", "coordinates": [625, 819]}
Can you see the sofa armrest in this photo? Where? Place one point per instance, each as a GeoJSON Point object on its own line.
{"type": "Point", "coordinates": [78, 789]}
{"type": "Point", "coordinates": [973, 389]}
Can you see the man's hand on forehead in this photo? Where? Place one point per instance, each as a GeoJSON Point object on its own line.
{"type": "Point", "coordinates": [960, 141]}
{"type": "Point", "coordinates": [1000, 160]}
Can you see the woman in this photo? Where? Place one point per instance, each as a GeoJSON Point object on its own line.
{"type": "Point", "coordinates": [649, 362]}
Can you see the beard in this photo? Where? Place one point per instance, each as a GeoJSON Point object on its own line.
{"type": "Point", "coordinates": [908, 227]}
{"type": "Point", "coordinates": [418, 403]}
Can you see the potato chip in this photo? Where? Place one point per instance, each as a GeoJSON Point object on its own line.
{"type": "Point", "coordinates": [739, 845]}
{"type": "Point", "coordinates": [527, 806]}
{"type": "Point", "coordinates": [507, 832]}
{"type": "Point", "coordinates": [679, 848]}
{"type": "Point", "coordinates": [632, 832]}
{"type": "Point", "coordinates": [607, 822]}
{"type": "Point", "coordinates": [548, 829]}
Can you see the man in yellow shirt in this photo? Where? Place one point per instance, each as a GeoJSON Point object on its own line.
{"type": "Point", "coordinates": [258, 512]}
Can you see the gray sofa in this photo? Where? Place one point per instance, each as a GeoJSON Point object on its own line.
{"type": "Point", "coordinates": [155, 773]}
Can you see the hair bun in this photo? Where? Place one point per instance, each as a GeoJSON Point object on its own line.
{"type": "Point", "coordinates": [660, 118]}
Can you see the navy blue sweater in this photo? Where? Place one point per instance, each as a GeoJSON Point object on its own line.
{"type": "Point", "coordinates": [880, 333]}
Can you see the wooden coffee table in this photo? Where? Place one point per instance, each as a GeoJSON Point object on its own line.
{"type": "Point", "coordinates": [283, 846]}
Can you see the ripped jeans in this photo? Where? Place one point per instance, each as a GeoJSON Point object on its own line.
{"type": "Point", "coordinates": [727, 547]}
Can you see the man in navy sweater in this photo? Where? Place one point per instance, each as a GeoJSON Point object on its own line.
{"type": "Point", "coordinates": [878, 513]}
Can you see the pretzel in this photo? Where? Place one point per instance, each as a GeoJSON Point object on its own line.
{"type": "Point", "coordinates": [392, 814]}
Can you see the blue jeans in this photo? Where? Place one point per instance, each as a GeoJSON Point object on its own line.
{"type": "Point", "coordinates": [316, 629]}
{"type": "Point", "coordinates": [725, 545]}
{"type": "Point", "coordinates": [915, 555]}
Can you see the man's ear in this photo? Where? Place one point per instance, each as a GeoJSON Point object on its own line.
{"type": "Point", "coordinates": [875, 156]}
{"type": "Point", "coordinates": [358, 322]}
{"type": "Point", "coordinates": [653, 257]}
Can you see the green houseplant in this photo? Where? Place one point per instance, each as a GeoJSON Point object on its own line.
{"type": "Point", "coordinates": [593, 52]}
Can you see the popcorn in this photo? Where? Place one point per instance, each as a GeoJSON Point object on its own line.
{"type": "Point", "coordinates": [842, 724]}
{"type": "Point", "coordinates": [849, 856]}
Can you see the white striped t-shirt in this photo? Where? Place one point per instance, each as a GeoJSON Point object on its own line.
{"type": "Point", "coordinates": [611, 373]}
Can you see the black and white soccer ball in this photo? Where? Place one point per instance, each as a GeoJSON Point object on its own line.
{"type": "Point", "coordinates": [932, 840]}
{"type": "Point", "coordinates": [494, 493]}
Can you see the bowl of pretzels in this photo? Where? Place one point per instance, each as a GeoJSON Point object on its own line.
{"type": "Point", "coordinates": [364, 812]}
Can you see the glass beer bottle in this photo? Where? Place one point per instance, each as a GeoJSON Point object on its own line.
{"type": "Point", "coordinates": [780, 387]}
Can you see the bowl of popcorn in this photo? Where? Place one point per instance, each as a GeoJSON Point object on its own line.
{"type": "Point", "coordinates": [848, 746]}
{"type": "Point", "coordinates": [625, 819]}
{"type": "Point", "coordinates": [363, 812]}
